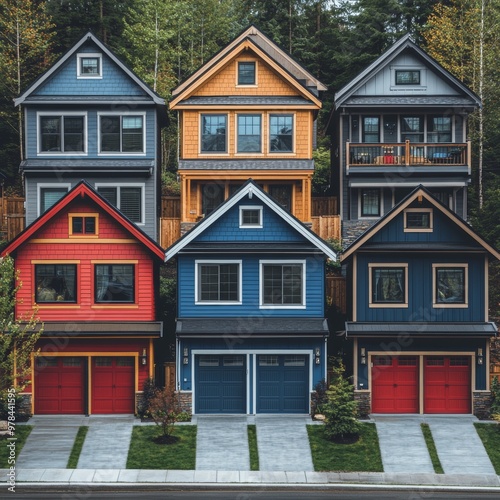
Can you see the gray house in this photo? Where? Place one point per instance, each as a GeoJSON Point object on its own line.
{"type": "Point", "coordinates": [399, 124]}
{"type": "Point", "coordinates": [90, 117]}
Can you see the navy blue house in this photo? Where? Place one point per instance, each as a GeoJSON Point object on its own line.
{"type": "Point", "coordinates": [419, 311]}
{"type": "Point", "coordinates": [251, 331]}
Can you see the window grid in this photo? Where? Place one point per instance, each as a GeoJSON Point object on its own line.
{"type": "Point", "coordinates": [213, 134]}
{"type": "Point", "coordinates": [282, 284]}
{"type": "Point", "coordinates": [122, 134]}
{"type": "Point", "coordinates": [218, 282]}
{"type": "Point", "coordinates": [246, 73]}
{"type": "Point", "coordinates": [249, 133]}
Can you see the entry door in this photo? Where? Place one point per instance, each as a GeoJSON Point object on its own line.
{"type": "Point", "coordinates": [59, 385]}
{"type": "Point", "coordinates": [447, 384]}
{"type": "Point", "coordinates": [113, 387]}
{"type": "Point", "coordinates": [395, 384]}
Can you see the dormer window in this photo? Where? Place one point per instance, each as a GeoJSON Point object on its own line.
{"type": "Point", "coordinates": [418, 220]}
{"type": "Point", "coordinates": [89, 66]}
{"type": "Point", "coordinates": [407, 77]}
{"type": "Point", "coordinates": [81, 225]}
{"type": "Point", "coordinates": [246, 73]}
{"type": "Point", "coordinates": [251, 217]}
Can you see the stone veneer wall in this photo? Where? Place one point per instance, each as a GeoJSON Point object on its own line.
{"type": "Point", "coordinates": [186, 400]}
{"type": "Point", "coordinates": [481, 403]}
{"type": "Point", "coordinates": [364, 404]}
{"type": "Point", "coordinates": [186, 226]}
{"type": "Point", "coordinates": [23, 411]}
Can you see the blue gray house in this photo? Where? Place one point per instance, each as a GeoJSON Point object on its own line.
{"type": "Point", "coordinates": [419, 311]}
{"type": "Point", "coordinates": [251, 328]}
{"type": "Point", "coordinates": [90, 117]}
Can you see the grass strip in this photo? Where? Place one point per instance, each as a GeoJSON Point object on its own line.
{"type": "Point", "coordinates": [21, 434]}
{"type": "Point", "coordinates": [144, 453]}
{"type": "Point", "coordinates": [362, 456]}
{"type": "Point", "coordinates": [252, 446]}
{"type": "Point", "coordinates": [77, 447]}
{"type": "Point", "coordinates": [431, 447]}
{"type": "Point", "coordinates": [490, 436]}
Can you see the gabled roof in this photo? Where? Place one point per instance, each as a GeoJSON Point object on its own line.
{"type": "Point", "coordinates": [250, 189]}
{"type": "Point", "coordinates": [404, 43]}
{"type": "Point", "coordinates": [88, 37]}
{"type": "Point", "coordinates": [83, 189]}
{"type": "Point", "coordinates": [253, 39]}
{"type": "Point", "coordinates": [418, 192]}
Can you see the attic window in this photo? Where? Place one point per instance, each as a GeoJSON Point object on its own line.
{"type": "Point", "coordinates": [418, 220]}
{"type": "Point", "coordinates": [246, 73]}
{"type": "Point", "coordinates": [407, 77]}
{"type": "Point", "coordinates": [251, 217]}
{"type": "Point", "coordinates": [83, 225]}
{"type": "Point", "coordinates": [89, 66]}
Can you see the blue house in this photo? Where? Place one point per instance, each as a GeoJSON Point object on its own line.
{"type": "Point", "coordinates": [90, 117]}
{"type": "Point", "coordinates": [419, 311]}
{"type": "Point", "coordinates": [251, 331]}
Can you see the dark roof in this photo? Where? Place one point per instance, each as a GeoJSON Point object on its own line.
{"type": "Point", "coordinates": [78, 328]}
{"type": "Point", "coordinates": [258, 325]}
{"type": "Point", "coordinates": [249, 247]}
{"type": "Point", "coordinates": [236, 164]}
{"type": "Point", "coordinates": [411, 246]}
{"type": "Point", "coordinates": [420, 101]}
{"type": "Point", "coordinates": [355, 329]}
{"type": "Point", "coordinates": [86, 99]}
{"type": "Point", "coordinates": [246, 100]}
{"type": "Point", "coordinates": [70, 164]}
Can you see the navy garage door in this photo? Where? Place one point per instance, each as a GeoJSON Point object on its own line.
{"type": "Point", "coordinates": [282, 384]}
{"type": "Point", "coordinates": [220, 384]}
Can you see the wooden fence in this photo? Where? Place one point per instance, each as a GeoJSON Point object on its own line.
{"type": "Point", "coordinates": [170, 206]}
{"type": "Point", "coordinates": [327, 226]}
{"type": "Point", "coordinates": [324, 206]}
{"type": "Point", "coordinates": [336, 292]}
{"type": "Point", "coordinates": [11, 216]}
{"type": "Point", "coordinates": [170, 231]}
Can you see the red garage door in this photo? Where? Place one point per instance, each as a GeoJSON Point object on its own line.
{"type": "Point", "coordinates": [447, 384]}
{"type": "Point", "coordinates": [59, 385]}
{"type": "Point", "coordinates": [394, 384]}
{"type": "Point", "coordinates": [113, 388]}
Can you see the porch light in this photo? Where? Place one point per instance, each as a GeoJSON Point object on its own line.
{"type": "Point", "coordinates": [480, 356]}
{"type": "Point", "coordinates": [144, 357]}
{"type": "Point", "coordinates": [317, 352]}
{"type": "Point", "coordinates": [185, 352]}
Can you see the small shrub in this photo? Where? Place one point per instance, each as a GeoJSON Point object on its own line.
{"type": "Point", "coordinates": [319, 397]}
{"type": "Point", "coordinates": [164, 409]}
{"type": "Point", "coordinates": [148, 392]}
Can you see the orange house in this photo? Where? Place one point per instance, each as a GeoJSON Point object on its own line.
{"type": "Point", "coordinates": [91, 273]}
{"type": "Point", "coordinates": [249, 112]}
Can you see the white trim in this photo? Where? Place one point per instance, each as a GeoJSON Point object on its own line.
{"type": "Point", "coordinates": [199, 302]}
{"type": "Point", "coordinates": [429, 229]}
{"type": "Point", "coordinates": [386, 184]}
{"type": "Point", "coordinates": [259, 225]}
{"type": "Point", "coordinates": [49, 185]}
{"type": "Point", "coordinates": [402, 88]}
{"type": "Point", "coordinates": [61, 114]}
{"type": "Point", "coordinates": [101, 114]}
{"type": "Point", "coordinates": [451, 305]}
{"type": "Point", "coordinates": [118, 186]}
{"type": "Point", "coordinates": [88, 55]}
{"type": "Point", "coordinates": [383, 265]}
{"type": "Point", "coordinates": [279, 262]}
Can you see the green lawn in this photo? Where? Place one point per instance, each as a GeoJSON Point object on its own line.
{"type": "Point", "coordinates": [77, 447]}
{"type": "Point", "coordinates": [144, 453]}
{"type": "Point", "coordinates": [362, 456]}
{"type": "Point", "coordinates": [22, 432]}
{"type": "Point", "coordinates": [429, 441]}
{"type": "Point", "coordinates": [490, 435]}
{"type": "Point", "coordinates": [252, 445]}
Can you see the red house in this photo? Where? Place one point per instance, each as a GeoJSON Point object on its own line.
{"type": "Point", "coordinates": [92, 274]}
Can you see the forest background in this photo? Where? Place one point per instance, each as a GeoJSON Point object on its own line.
{"type": "Point", "coordinates": [164, 41]}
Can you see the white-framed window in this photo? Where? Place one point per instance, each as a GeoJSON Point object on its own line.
{"type": "Point", "coordinates": [49, 194]}
{"type": "Point", "coordinates": [250, 216]}
{"type": "Point", "coordinates": [62, 133]}
{"type": "Point", "coordinates": [128, 198]}
{"type": "Point", "coordinates": [246, 73]}
{"type": "Point", "coordinates": [249, 133]}
{"type": "Point", "coordinates": [418, 220]}
{"type": "Point", "coordinates": [388, 285]}
{"type": "Point", "coordinates": [407, 77]}
{"type": "Point", "coordinates": [89, 65]}
{"type": "Point", "coordinates": [281, 133]}
{"type": "Point", "coordinates": [122, 133]}
{"type": "Point", "coordinates": [218, 282]}
{"type": "Point", "coordinates": [282, 284]}
{"type": "Point", "coordinates": [213, 133]}
{"type": "Point", "coordinates": [450, 285]}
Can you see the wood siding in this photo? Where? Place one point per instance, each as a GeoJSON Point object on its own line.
{"type": "Point", "coordinates": [11, 216]}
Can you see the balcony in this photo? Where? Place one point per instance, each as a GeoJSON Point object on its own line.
{"type": "Point", "coordinates": [425, 157]}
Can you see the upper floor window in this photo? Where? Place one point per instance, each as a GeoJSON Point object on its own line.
{"type": "Point", "coordinates": [115, 283]}
{"type": "Point", "coordinates": [251, 217]}
{"type": "Point", "coordinates": [218, 282]}
{"type": "Point", "coordinates": [83, 224]}
{"type": "Point", "coordinates": [412, 128]}
{"type": "Point", "coordinates": [49, 195]}
{"type": "Point", "coordinates": [282, 193]}
{"type": "Point", "coordinates": [371, 129]}
{"type": "Point", "coordinates": [55, 283]}
{"type": "Point", "coordinates": [128, 199]}
{"type": "Point", "coordinates": [246, 73]}
{"type": "Point", "coordinates": [407, 77]}
{"type": "Point", "coordinates": [281, 133]}
{"type": "Point", "coordinates": [282, 284]}
{"type": "Point", "coordinates": [89, 65]}
{"type": "Point", "coordinates": [212, 195]}
{"type": "Point", "coordinates": [388, 285]}
{"type": "Point", "coordinates": [370, 203]}
{"type": "Point", "coordinates": [418, 220]}
{"type": "Point", "coordinates": [213, 134]}
{"type": "Point", "coordinates": [122, 133]}
{"type": "Point", "coordinates": [62, 134]}
{"type": "Point", "coordinates": [439, 128]}
{"type": "Point", "coordinates": [249, 134]}
{"type": "Point", "coordinates": [450, 285]}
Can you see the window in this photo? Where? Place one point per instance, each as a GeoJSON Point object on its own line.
{"type": "Point", "coordinates": [418, 220]}
{"type": "Point", "coordinates": [407, 77]}
{"type": "Point", "coordinates": [388, 285]}
{"type": "Point", "coordinates": [114, 283]}
{"type": "Point", "coordinates": [282, 284]}
{"type": "Point", "coordinates": [49, 195]}
{"type": "Point", "coordinates": [83, 225]}
{"type": "Point", "coordinates": [251, 217]}
{"type": "Point", "coordinates": [212, 195]}
{"type": "Point", "coordinates": [218, 282]}
{"type": "Point", "coordinates": [439, 129]}
{"type": "Point", "coordinates": [128, 199]}
{"type": "Point", "coordinates": [246, 73]}
{"type": "Point", "coordinates": [370, 203]}
{"type": "Point", "coordinates": [450, 285]}
{"type": "Point", "coordinates": [213, 134]}
{"type": "Point", "coordinates": [122, 134]}
{"type": "Point", "coordinates": [208, 361]}
{"type": "Point", "coordinates": [249, 134]}
{"type": "Point", "coordinates": [282, 193]}
{"type": "Point", "coordinates": [232, 360]}
{"type": "Point", "coordinates": [371, 129]}
{"type": "Point", "coordinates": [412, 128]}
{"type": "Point", "coordinates": [89, 66]}
{"type": "Point", "coordinates": [281, 133]}
{"type": "Point", "coordinates": [62, 134]}
{"type": "Point", "coordinates": [294, 360]}
{"type": "Point", "coordinates": [55, 283]}
{"type": "Point", "coordinates": [268, 360]}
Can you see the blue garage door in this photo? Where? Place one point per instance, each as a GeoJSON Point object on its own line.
{"type": "Point", "coordinates": [220, 384]}
{"type": "Point", "coordinates": [282, 384]}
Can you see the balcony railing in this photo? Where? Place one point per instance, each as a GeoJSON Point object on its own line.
{"type": "Point", "coordinates": [408, 153]}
